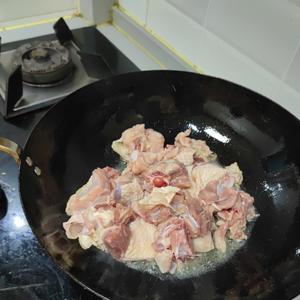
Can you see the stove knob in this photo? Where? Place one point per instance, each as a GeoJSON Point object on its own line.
{"type": "Point", "coordinates": [3, 204]}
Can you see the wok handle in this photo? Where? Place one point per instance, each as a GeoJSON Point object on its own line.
{"type": "Point", "coordinates": [14, 150]}
{"type": "Point", "coordinates": [11, 148]}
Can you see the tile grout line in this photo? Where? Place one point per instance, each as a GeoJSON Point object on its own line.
{"type": "Point", "coordinates": [147, 13]}
{"type": "Point", "coordinates": [206, 13]}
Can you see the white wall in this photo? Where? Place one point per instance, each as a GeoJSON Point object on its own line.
{"type": "Point", "coordinates": [215, 34]}
{"type": "Point", "coordinates": [11, 10]}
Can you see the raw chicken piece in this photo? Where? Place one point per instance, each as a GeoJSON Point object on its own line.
{"type": "Point", "coordinates": [74, 226]}
{"type": "Point", "coordinates": [140, 139]}
{"type": "Point", "coordinates": [155, 215]}
{"type": "Point", "coordinates": [123, 214]}
{"type": "Point", "coordinates": [154, 208]}
{"type": "Point", "coordinates": [143, 161]}
{"type": "Point", "coordinates": [203, 244]}
{"type": "Point", "coordinates": [204, 173]}
{"type": "Point", "coordinates": [159, 196]}
{"type": "Point", "coordinates": [202, 151]}
{"type": "Point", "coordinates": [85, 241]}
{"type": "Point", "coordinates": [155, 141]}
{"type": "Point", "coordinates": [219, 237]}
{"type": "Point", "coordinates": [116, 239]}
{"type": "Point", "coordinates": [163, 241]}
{"type": "Point", "coordinates": [131, 192]}
{"type": "Point", "coordinates": [237, 224]}
{"type": "Point", "coordinates": [96, 191]}
{"type": "Point", "coordinates": [141, 240]}
{"type": "Point", "coordinates": [227, 199]}
{"type": "Point", "coordinates": [172, 235]}
{"type": "Point", "coordinates": [186, 156]}
{"type": "Point", "coordinates": [197, 217]}
{"type": "Point", "coordinates": [130, 140]}
{"type": "Point", "coordinates": [164, 260]}
{"type": "Point", "coordinates": [209, 194]}
{"type": "Point", "coordinates": [105, 217]}
{"type": "Point", "coordinates": [179, 204]}
{"type": "Point", "coordinates": [180, 244]}
{"type": "Point", "coordinates": [170, 152]}
{"type": "Point", "coordinates": [234, 171]}
{"type": "Point", "coordinates": [180, 178]}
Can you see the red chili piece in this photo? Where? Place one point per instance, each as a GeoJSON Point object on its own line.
{"type": "Point", "coordinates": [159, 182]}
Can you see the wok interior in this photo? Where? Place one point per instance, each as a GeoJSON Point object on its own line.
{"type": "Point", "coordinates": [75, 137]}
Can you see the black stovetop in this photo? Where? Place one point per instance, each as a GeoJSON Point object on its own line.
{"type": "Point", "coordinates": [26, 270]}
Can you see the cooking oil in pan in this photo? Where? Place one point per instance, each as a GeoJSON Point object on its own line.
{"type": "Point", "coordinates": [197, 266]}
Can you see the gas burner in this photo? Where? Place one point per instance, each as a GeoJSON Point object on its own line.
{"type": "Point", "coordinates": [44, 63]}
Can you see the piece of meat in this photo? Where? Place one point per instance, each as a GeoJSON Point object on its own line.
{"type": "Point", "coordinates": [170, 152]}
{"type": "Point", "coordinates": [178, 204]}
{"type": "Point", "coordinates": [203, 244]}
{"type": "Point", "coordinates": [85, 241]}
{"type": "Point", "coordinates": [226, 182]}
{"type": "Point", "coordinates": [219, 237]}
{"type": "Point", "coordinates": [74, 226]}
{"type": "Point", "coordinates": [105, 216]}
{"type": "Point", "coordinates": [202, 151]}
{"type": "Point", "coordinates": [180, 244]}
{"type": "Point", "coordinates": [111, 173]}
{"type": "Point", "coordinates": [95, 191]}
{"type": "Point", "coordinates": [142, 236]}
{"type": "Point", "coordinates": [134, 138]}
{"type": "Point", "coordinates": [235, 172]}
{"type": "Point", "coordinates": [137, 138]}
{"type": "Point", "coordinates": [162, 241]}
{"type": "Point", "coordinates": [237, 224]}
{"type": "Point", "coordinates": [143, 161]}
{"type": "Point", "coordinates": [202, 174]}
{"type": "Point", "coordinates": [155, 141]}
{"type": "Point", "coordinates": [197, 217]}
{"type": "Point", "coordinates": [186, 155]}
{"type": "Point", "coordinates": [209, 194]}
{"type": "Point", "coordinates": [159, 196]}
{"type": "Point", "coordinates": [164, 260]}
{"type": "Point", "coordinates": [155, 208]}
{"type": "Point", "coordinates": [122, 214]}
{"type": "Point", "coordinates": [166, 167]}
{"type": "Point", "coordinates": [116, 239]}
{"type": "Point", "coordinates": [180, 178]}
{"type": "Point", "coordinates": [156, 215]}
{"type": "Point", "coordinates": [227, 199]}
{"type": "Point", "coordinates": [131, 192]}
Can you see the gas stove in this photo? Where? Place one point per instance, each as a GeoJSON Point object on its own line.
{"type": "Point", "coordinates": [26, 271]}
{"type": "Point", "coordinates": [39, 72]}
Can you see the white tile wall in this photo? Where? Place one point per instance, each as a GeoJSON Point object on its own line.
{"type": "Point", "coordinates": [293, 74]}
{"type": "Point", "coordinates": [205, 50]}
{"type": "Point", "coordinates": [268, 31]}
{"type": "Point", "coordinates": [196, 9]}
{"type": "Point", "coordinates": [253, 43]}
{"type": "Point", "coordinates": [297, 2]}
{"type": "Point", "coordinates": [16, 9]}
{"type": "Point", "coordinates": [138, 8]}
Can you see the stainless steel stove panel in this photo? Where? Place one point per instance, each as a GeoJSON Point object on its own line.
{"type": "Point", "coordinates": [34, 97]}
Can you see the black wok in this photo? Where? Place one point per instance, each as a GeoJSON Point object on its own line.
{"type": "Point", "coordinates": [75, 136]}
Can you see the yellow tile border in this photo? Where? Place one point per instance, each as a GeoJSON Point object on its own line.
{"type": "Point", "coordinates": [159, 38]}
{"type": "Point", "coordinates": [138, 45]}
{"type": "Point", "coordinates": [31, 24]}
